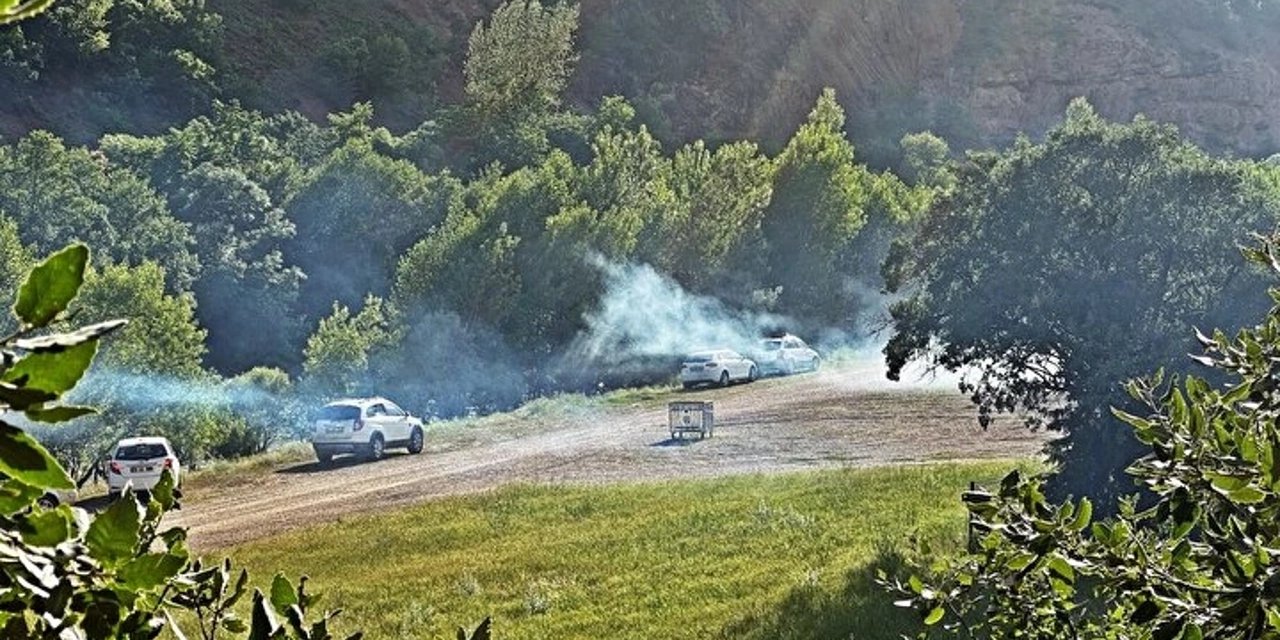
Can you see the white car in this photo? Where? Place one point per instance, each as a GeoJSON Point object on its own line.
{"type": "Point", "coordinates": [787, 355]}
{"type": "Point", "coordinates": [140, 462]}
{"type": "Point", "coordinates": [720, 367]}
{"type": "Point", "coordinates": [366, 426]}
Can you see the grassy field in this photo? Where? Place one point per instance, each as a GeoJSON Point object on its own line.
{"type": "Point", "coordinates": [785, 556]}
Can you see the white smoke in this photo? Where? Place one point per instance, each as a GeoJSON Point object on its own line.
{"type": "Point", "coordinates": [646, 314]}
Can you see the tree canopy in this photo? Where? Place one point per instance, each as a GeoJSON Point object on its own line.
{"type": "Point", "coordinates": [1052, 270]}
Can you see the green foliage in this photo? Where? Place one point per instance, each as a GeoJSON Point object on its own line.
{"type": "Point", "coordinates": [521, 59]}
{"type": "Point", "coordinates": [1053, 269]}
{"type": "Point", "coordinates": [1194, 561]}
{"type": "Point", "coordinates": [345, 252]}
{"type": "Point", "coordinates": [116, 574]}
{"type": "Point", "coordinates": [57, 194]}
{"type": "Point", "coordinates": [338, 353]}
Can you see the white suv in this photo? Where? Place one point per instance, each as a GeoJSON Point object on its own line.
{"type": "Point", "coordinates": [366, 426]}
{"type": "Point", "coordinates": [141, 461]}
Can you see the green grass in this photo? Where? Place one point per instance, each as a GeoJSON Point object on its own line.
{"type": "Point", "coordinates": [784, 556]}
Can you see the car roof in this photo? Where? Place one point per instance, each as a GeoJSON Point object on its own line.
{"type": "Point", "coordinates": [129, 442]}
{"type": "Point", "coordinates": [357, 402]}
{"type": "Point", "coordinates": [709, 352]}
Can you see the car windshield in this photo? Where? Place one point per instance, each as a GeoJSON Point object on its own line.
{"type": "Point", "coordinates": [339, 412]}
{"type": "Point", "coordinates": [141, 452]}
{"type": "Point", "coordinates": [772, 345]}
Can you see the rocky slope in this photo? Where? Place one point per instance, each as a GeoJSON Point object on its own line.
{"type": "Point", "coordinates": [976, 71]}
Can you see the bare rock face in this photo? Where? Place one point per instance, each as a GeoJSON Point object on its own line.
{"type": "Point", "coordinates": [977, 71]}
{"type": "Point", "coordinates": [1225, 95]}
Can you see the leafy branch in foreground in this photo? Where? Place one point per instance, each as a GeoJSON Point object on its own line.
{"type": "Point", "coordinates": [1201, 561]}
{"type": "Point", "coordinates": [119, 574]}
{"type": "Point", "coordinates": [15, 10]}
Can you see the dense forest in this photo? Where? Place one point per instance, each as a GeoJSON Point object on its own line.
{"type": "Point", "coordinates": [518, 241]}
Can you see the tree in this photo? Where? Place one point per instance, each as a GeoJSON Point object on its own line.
{"type": "Point", "coordinates": [359, 212]}
{"type": "Point", "coordinates": [521, 60]}
{"type": "Point", "coordinates": [1054, 269]}
{"type": "Point", "coordinates": [57, 194]}
{"type": "Point", "coordinates": [338, 353]}
{"type": "Point", "coordinates": [246, 292]}
{"type": "Point", "coordinates": [719, 199]}
{"type": "Point", "coordinates": [819, 204]}
{"type": "Point", "coordinates": [517, 67]}
{"type": "Point", "coordinates": [1194, 562]}
{"type": "Point", "coordinates": [15, 261]}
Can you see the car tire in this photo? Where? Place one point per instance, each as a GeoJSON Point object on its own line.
{"type": "Point", "coordinates": [48, 501]}
{"type": "Point", "coordinates": [415, 441]}
{"type": "Point", "coordinates": [377, 447]}
{"type": "Point", "coordinates": [324, 456]}
{"type": "Point", "coordinates": [724, 378]}
{"type": "Point", "coordinates": [688, 386]}
{"type": "Point", "coordinates": [816, 364]}
{"type": "Point", "coordinates": [753, 374]}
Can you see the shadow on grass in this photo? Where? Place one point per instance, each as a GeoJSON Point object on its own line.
{"type": "Point", "coordinates": [859, 610]}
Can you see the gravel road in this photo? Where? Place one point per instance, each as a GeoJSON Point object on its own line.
{"type": "Point", "coordinates": [841, 416]}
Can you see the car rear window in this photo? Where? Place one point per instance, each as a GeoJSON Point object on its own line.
{"type": "Point", "coordinates": [141, 452]}
{"type": "Point", "coordinates": [339, 412]}
{"type": "Point", "coordinates": [699, 357]}
{"type": "Point", "coordinates": [772, 345]}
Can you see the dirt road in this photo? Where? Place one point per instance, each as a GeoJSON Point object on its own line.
{"type": "Point", "coordinates": [839, 417]}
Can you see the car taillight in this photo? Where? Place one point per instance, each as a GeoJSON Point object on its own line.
{"type": "Point", "coordinates": [168, 463]}
{"type": "Point", "coordinates": [115, 467]}
{"type": "Point", "coordinates": [358, 425]}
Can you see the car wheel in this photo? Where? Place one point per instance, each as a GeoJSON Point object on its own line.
{"type": "Point", "coordinates": [724, 378]}
{"type": "Point", "coordinates": [753, 375]}
{"type": "Point", "coordinates": [377, 447]}
{"type": "Point", "coordinates": [688, 385]}
{"type": "Point", "coordinates": [415, 441]}
{"type": "Point", "coordinates": [324, 456]}
{"type": "Point", "coordinates": [48, 501]}
{"type": "Point", "coordinates": [816, 364]}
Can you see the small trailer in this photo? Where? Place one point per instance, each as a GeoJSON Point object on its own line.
{"type": "Point", "coordinates": [691, 417]}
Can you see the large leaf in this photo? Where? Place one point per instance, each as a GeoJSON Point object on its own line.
{"type": "Point", "coordinates": [53, 371]}
{"type": "Point", "coordinates": [47, 528]}
{"type": "Point", "coordinates": [113, 536]}
{"type": "Point", "coordinates": [61, 341]}
{"type": "Point", "coordinates": [16, 496]}
{"type": "Point", "coordinates": [23, 459]}
{"type": "Point", "coordinates": [150, 571]}
{"type": "Point", "coordinates": [282, 593]}
{"type": "Point", "coordinates": [51, 286]}
{"type": "Point", "coordinates": [20, 398]}
{"type": "Point", "coordinates": [58, 414]}
{"type": "Point", "coordinates": [15, 10]}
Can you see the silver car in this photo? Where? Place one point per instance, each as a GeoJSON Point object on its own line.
{"type": "Point", "coordinates": [721, 366]}
{"type": "Point", "coordinates": [786, 355]}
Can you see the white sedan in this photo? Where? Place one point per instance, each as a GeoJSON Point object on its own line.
{"type": "Point", "coordinates": [720, 367]}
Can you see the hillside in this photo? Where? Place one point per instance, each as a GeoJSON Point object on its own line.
{"type": "Point", "coordinates": [976, 71]}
